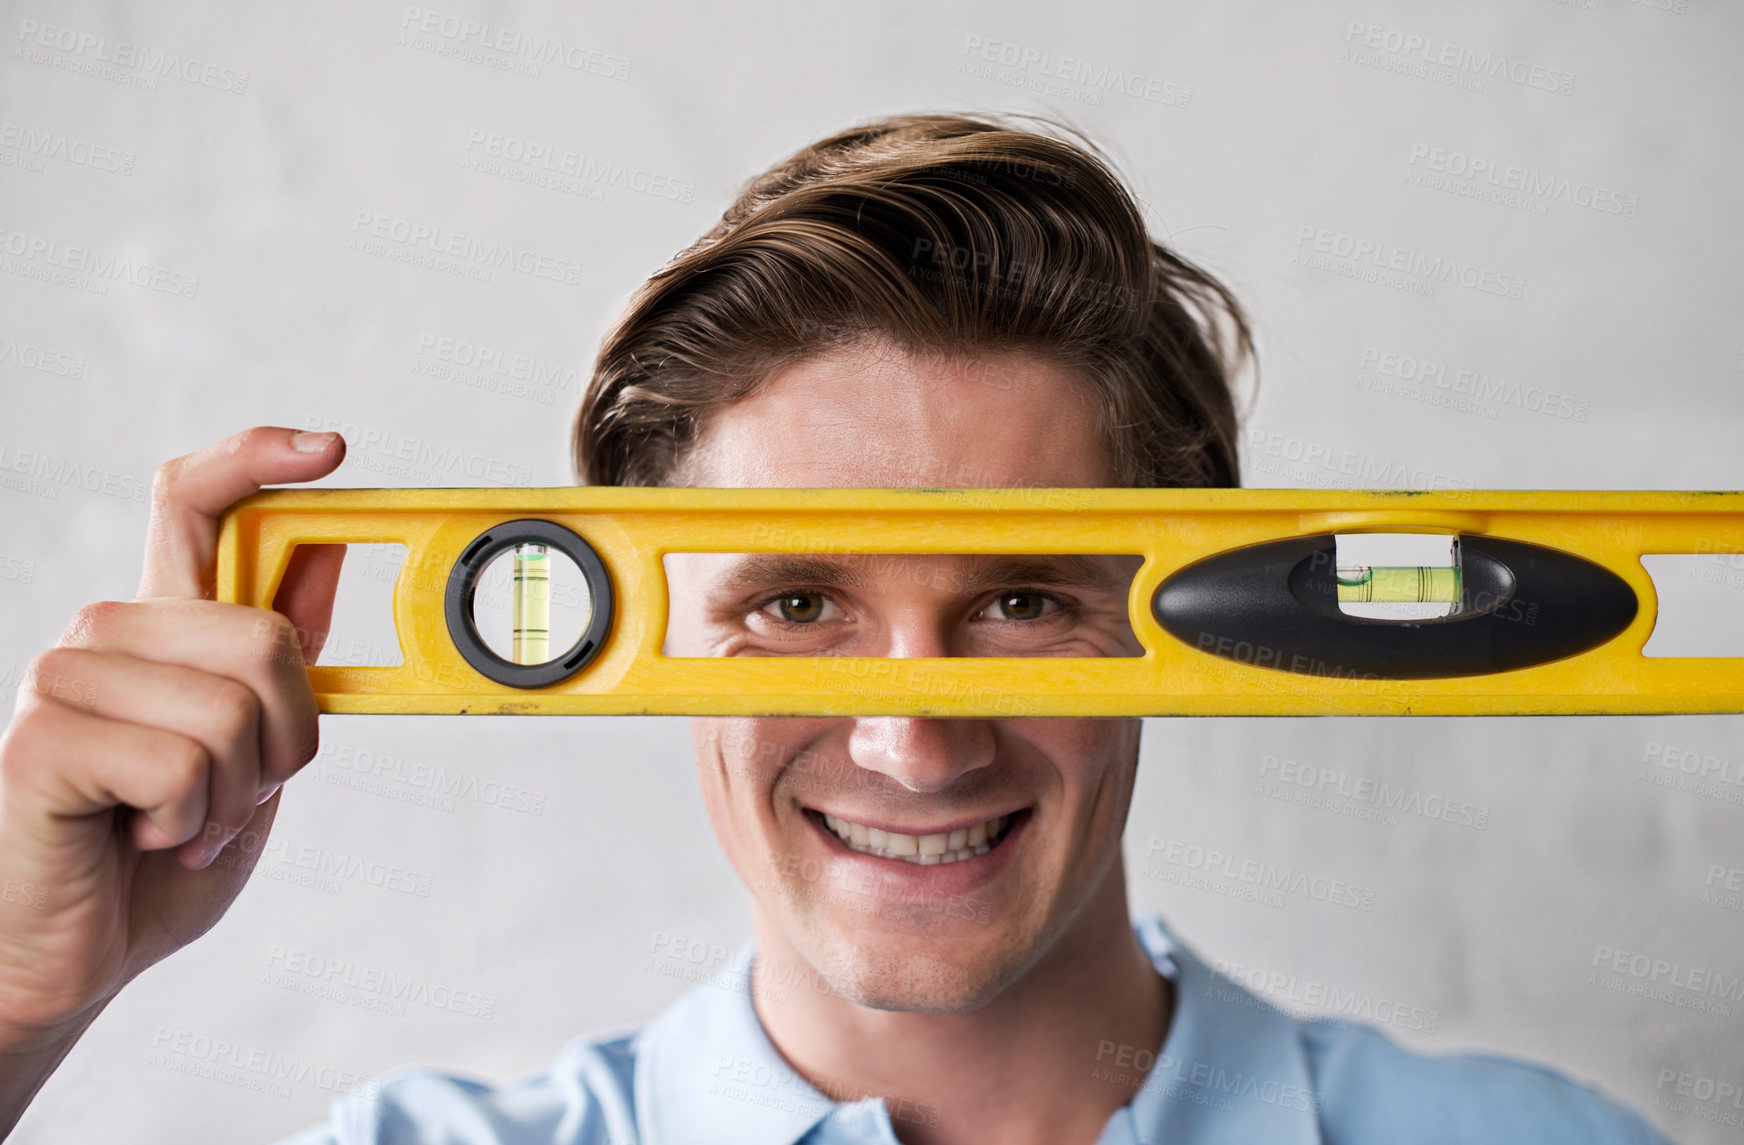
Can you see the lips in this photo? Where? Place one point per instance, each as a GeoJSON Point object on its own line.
{"type": "Point", "coordinates": [931, 849]}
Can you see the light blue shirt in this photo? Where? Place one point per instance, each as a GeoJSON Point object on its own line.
{"type": "Point", "coordinates": [1233, 1070]}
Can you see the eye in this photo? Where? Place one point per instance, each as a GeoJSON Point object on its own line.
{"type": "Point", "coordinates": [798, 607]}
{"type": "Point", "coordinates": [1021, 605]}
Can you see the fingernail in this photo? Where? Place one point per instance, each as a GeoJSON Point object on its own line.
{"type": "Point", "coordinates": [265, 795]}
{"type": "Point", "coordinates": [312, 442]}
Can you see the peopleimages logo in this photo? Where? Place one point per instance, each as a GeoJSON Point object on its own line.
{"type": "Point", "coordinates": [48, 474]}
{"type": "Point", "coordinates": [433, 778]}
{"type": "Point", "coordinates": [1351, 1005]}
{"type": "Point", "coordinates": [408, 455]}
{"type": "Point", "coordinates": [1663, 980]}
{"type": "Point", "coordinates": [66, 264]}
{"type": "Point", "coordinates": [29, 356]}
{"type": "Point", "coordinates": [1459, 60]}
{"type": "Point", "coordinates": [1475, 384]}
{"type": "Point", "coordinates": [1266, 448]}
{"type": "Point", "coordinates": [1403, 261]}
{"type": "Point", "coordinates": [133, 64]}
{"type": "Point", "coordinates": [1528, 181]}
{"type": "Point", "coordinates": [1192, 858]}
{"type": "Point", "coordinates": [1331, 784]}
{"type": "Point", "coordinates": [370, 987]}
{"type": "Point", "coordinates": [428, 244]}
{"type": "Point", "coordinates": [250, 1067]}
{"type": "Point", "coordinates": [1719, 1100]}
{"type": "Point", "coordinates": [37, 143]}
{"type": "Point", "coordinates": [429, 30]}
{"type": "Point", "coordinates": [507, 365]}
{"type": "Point", "coordinates": [554, 159]}
{"type": "Point", "coordinates": [1067, 76]}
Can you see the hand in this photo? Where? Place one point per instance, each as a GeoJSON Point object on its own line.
{"type": "Point", "coordinates": [149, 737]}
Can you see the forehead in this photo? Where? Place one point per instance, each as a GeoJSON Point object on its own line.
{"type": "Point", "coordinates": [872, 416]}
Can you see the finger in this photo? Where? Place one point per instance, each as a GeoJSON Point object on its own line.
{"type": "Point", "coordinates": [219, 713]}
{"type": "Point", "coordinates": [250, 645]}
{"type": "Point", "coordinates": [190, 494]}
{"type": "Point", "coordinates": [306, 594]}
{"type": "Point", "coordinates": [67, 765]}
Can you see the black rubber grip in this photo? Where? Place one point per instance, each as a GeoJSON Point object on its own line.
{"type": "Point", "coordinates": [1275, 605]}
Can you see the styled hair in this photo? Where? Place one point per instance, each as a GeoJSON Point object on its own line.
{"type": "Point", "coordinates": [945, 235]}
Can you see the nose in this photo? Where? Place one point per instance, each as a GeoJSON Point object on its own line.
{"type": "Point", "coordinates": [924, 755]}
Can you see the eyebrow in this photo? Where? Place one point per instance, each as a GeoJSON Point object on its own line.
{"type": "Point", "coordinates": [1063, 570]}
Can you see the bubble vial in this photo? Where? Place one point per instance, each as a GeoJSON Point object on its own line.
{"type": "Point", "coordinates": [1398, 576]}
{"type": "Point", "coordinates": [532, 605]}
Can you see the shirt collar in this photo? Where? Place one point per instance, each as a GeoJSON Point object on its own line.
{"type": "Point", "coordinates": [1230, 1070]}
{"type": "Point", "coordinates": [708, 1073]}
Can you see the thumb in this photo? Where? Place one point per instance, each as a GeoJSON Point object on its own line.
{"type": "Point", "coordinates": [190, 495]}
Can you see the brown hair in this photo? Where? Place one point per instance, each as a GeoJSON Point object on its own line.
{"type": "Point", "coordinates": [943, 234]}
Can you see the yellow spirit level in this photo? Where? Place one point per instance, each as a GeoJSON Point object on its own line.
{"type": "Point", "coordinates": [1245, 604]}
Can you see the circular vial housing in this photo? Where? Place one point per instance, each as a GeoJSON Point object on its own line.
{"type": "Point", "coordinates": [532, 665]}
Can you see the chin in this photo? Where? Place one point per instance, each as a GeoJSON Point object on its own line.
{"type": "Point", "coordinates": [898, 973]}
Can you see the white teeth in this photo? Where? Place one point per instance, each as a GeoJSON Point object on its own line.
{"type": "Point", "coordinates": [924, 850]}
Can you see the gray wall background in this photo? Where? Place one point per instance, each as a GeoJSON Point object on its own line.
{"type": "Point", "coordinates": [1267, 138]}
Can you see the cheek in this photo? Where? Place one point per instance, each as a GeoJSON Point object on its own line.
{"type": "Point", "coordinates": [1095, 760]}
{"type": "Point", "coordinates": [740, 763]}
{"type": "Point", "coordinates": [1083, 750]}
{"type": "Point", "coordinates": [687, 577]}
{"type": "Point", "coordinates": [726, 773]}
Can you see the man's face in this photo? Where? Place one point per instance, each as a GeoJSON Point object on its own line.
{"type": "Point", "coordinates": [1030, 810]}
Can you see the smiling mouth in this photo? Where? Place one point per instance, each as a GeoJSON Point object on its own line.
{"type": "Point", "coordinates": [922, 850]}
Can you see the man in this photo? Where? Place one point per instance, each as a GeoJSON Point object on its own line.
{"type": "Point", "coordinates": [943, 952]}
